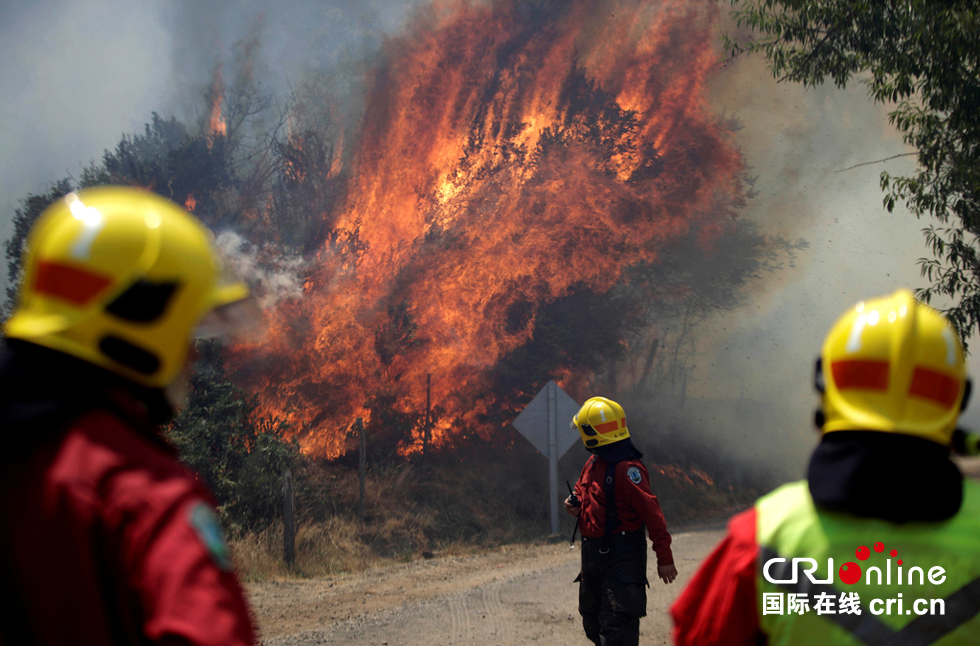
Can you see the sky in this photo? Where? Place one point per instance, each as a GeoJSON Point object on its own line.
{"type": "Point", "coordinates": [77, 74]}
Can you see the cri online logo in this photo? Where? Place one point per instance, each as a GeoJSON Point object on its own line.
{"type": "Point", "coordinates": [850, 572]}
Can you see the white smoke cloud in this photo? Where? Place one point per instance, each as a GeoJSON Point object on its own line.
{"type": "Point", "coordinates": [272, 277]}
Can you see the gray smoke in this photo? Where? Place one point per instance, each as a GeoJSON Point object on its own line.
{"type": "Point", "coordinates": [75, 76]}
{"type": "Point", "coordinates": [78, 74]}
{"type": "Point", "coordinates": [802, 145]}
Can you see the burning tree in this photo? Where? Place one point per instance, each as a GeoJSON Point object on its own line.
{"type": "Point", "coordinates": [516, 162]}
{"type": "Point", "coordinates": [535, 190]}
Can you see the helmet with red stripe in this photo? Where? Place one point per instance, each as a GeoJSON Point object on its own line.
{"type": "Point", "coordinates": [600, 421]}
{"type": "Point", "coordinates": [894, 365]}
{"type": "Point", "coordinates": [120, 277]}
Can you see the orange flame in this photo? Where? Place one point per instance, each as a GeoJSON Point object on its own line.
{"type": "Point", "coordinates": [506, 159]}
{"type": "Point", "coordinates": [216, 121]}
{"type": "Point", "coordinates": [336, 165]}
{"type": "Point", "coordinates": [681, 474]}
{"type": "Point", "coordinates": [190, 202]}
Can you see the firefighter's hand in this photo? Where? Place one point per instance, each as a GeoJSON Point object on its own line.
{"type": "Point", "coordinates": [573, 510]}
{"type": "Point", "coordinates": [667, 572]}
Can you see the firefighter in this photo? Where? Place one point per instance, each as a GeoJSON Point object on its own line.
{"type": "Point", "coordinates": [613, 503]}
{"type": "Point", "coordinates": [881, 495]}
{"type": "Point", "coordinates": [105, 537]}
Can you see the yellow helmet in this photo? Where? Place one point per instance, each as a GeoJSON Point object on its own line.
{"type": "Point", "coordinates": [600, 421]}
{"type": "Point", "coordinates": [119, 277]}
{"type": "Point", "coordinates": [894, 365]}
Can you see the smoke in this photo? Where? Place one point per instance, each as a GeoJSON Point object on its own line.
{"type": "Point", "coordinates": [78, 74]}
{"type": "Point", "coordinates": [272, 274]}
{"type": "Point", "coordinates": [802, 145]}
{"type": "Point", "coordinates": [278, 45]}
{"type": "Point", "coordinates": [75, 76]}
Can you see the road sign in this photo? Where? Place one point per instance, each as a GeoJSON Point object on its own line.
{"type": "Point", "coordinates": [545, 424]}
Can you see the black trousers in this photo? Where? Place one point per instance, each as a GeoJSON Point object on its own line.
{"type": "Point", "coordinates": [612, 593]}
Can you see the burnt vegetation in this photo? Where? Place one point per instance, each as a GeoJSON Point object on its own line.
{"type": "Point", "coordinates": [278, 174]}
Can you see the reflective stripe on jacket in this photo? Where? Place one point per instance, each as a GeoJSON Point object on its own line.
{"type": "Point", "coordinates": [937, 606]}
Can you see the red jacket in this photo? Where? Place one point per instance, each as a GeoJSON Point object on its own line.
{"type": "Point", "coordinates": [635, 505]}
{"type": "Point", "coordinates": [110, 540]}
{"type": "Point", "coordinates": [718, 606]}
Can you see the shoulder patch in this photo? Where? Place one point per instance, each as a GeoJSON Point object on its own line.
{"type": "Point", "coordinates": [634, 475]}
{"type": "Point", "coordinates": [204, 521]}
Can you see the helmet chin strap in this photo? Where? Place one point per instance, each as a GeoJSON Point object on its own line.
{"type": "Point", "coordinates": [818, 379]}
{"type": "Point", "coordinates": [818, 383]}
{"type": "Point", "coordinates": [818, 419]}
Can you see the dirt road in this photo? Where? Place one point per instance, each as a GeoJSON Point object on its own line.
{"type": "Point", "coordinates": [508, 596]}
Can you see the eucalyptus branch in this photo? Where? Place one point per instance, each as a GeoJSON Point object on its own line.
{"type": "Point", "coordinates": [877, 161]}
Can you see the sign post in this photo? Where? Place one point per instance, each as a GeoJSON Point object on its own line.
{"type": "Point", "coordinates": [544, 423]}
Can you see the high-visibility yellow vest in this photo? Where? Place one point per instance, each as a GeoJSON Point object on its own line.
{"type": "Point", "coordinates": [938, 606]}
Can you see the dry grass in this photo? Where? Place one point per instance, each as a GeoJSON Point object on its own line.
{"type": "Point", "coordinates": [409, 512]}
{"type": "Point", "coordinates": [329, 547]}
{"type": "Point", "coordinates": [456, 505]}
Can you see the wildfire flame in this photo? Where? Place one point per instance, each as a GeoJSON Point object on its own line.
{"type": "Point", "coordinates": [679, 474]}
{"type": "Point", "coordinates": [336, 165]}
{"type": "Point", "coordinates": [508, 156]}
{"type": "Point", "coordinates": [216, 121]}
